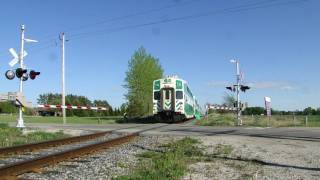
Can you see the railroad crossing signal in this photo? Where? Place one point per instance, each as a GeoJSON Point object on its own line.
{"type": "Point", "coordinates": [20, 72]}
{"type": "Point", "coordinates": [15, 59]}
{"type": "Point", "coordinates": [25, 76]}
{"type": "Point", "coordinates": [231, 88]}
{"type": "Point", "coordinates": [33, 74]}
{"type": "Point", "coordinates": [243, 88]}
{"type": "Point", "coordinates": [10, 74]}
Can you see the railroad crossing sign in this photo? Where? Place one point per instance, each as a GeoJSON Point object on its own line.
{"type": "Point", "coordinates": [267, 101]}
{"type": "Point", "coordinates": [15, 59]}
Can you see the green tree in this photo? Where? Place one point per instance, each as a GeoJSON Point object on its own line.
{"type": "Point", "coordinates": [123, 108]}
{"type": "Point", "coordinates": [229, 100]}
{"type": "Point", "coordinates": [143, 69]}
{"type": "Point", "coordinates": [254, 111]}
{"type": "Point", "coordinates": [7, 107]}
{"type": "Point", "coordinates": [309, 111]}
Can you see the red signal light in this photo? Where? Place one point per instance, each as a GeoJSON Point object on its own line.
{"type": "Point", "coordinates": [33, 74]}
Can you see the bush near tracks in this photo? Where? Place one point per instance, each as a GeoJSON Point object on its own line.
{"type": "Point", "coordinates": [10, 136]}
{"type": "Point", "coordinates": [216, 119]}
{"type": "Point", "coordinates": [172, 163]}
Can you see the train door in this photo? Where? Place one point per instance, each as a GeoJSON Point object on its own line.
{"type": "Point", "coordinates": [168, 99]}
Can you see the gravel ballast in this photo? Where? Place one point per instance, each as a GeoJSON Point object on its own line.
{"type": "Point", "coordinates": [101, 165]}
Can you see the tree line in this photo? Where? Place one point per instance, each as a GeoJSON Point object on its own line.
{"type": "Point", "coordinates": [77, 100]}
{"type": "Point", "coordinates": [229, 100]}
{"type": "Point", "coordinates": [261, 110]}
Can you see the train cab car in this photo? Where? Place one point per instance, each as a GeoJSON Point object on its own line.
{"type": "Point", "coordinates": [173, 100]}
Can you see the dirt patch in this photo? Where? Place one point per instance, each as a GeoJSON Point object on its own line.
{"type": "Point", "coordinates": [257, 158]}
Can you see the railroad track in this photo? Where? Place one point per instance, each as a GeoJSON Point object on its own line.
{"type": "Point", "coordinates": [13, 169]}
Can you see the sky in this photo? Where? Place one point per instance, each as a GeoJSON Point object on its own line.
{"type": "Point", "coordinates": [276, 42]}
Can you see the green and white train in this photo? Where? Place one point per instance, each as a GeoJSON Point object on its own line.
{"type": "Point", "coordinates": [173, 100]}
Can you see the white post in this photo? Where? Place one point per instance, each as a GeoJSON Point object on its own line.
{"type": "Point", "coordinates": [63, 82]}
{"type": "Point", "coordinates": [238, 94]}
{"type": "Point", "coordinates": [306, 120]}
{"type": "Point", "coordinates": [20, 123]}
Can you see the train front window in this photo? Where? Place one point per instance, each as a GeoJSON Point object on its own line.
{"type": "Point", "coordinates": [179, 95]}
{"type": "Point", "coordinates": [156, 95]}
{"type": "Point", "coordinates": [167, 94]}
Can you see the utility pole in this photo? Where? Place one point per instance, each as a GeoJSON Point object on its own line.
{"type": "Point", "coordinates": [62, 38]}
{"type": "Point", "coordinates": [20, 123]}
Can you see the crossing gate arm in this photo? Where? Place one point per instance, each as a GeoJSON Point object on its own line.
{"type": "Point", "coordinates": [47, 106]}
{"type": "Point", "coordinates": [222, 108]}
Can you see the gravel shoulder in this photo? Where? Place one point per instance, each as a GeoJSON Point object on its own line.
{"type": "Point", "coordinates": [286, 159]}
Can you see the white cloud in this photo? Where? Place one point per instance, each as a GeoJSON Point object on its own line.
{"type": "Point", "coordinates": [285, 86]}
{"type": "Point", "coordinates": [218, 84]}
{"type": "Point", "coordinates": [273, 85]}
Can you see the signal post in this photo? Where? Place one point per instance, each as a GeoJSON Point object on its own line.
{"type": "Point", "coordinates": [237, 87]}
{"type": "Point", "coordinates": [20, 72]}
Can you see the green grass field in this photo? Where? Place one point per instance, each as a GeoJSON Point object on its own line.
{"type": "Point", "coordinates": [72, 120]}
{"type": "Point", "coordinates": [10, 136]}
{"type": "Point", "coordinates": [216, 119]}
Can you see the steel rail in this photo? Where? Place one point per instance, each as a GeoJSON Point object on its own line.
{"type": "Point", "coordinates": [51, 143]}
{"type": "Point", "coordinates": [11, 171]}
{"type": "Point", "coordinates": [15, 169]}
{"type": "Point", "coordinates": [46, 144]}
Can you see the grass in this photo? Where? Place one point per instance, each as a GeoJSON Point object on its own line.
{"type": "Point", "coordinates": [58, 120]}
{"type": "Point", "coordinates": [216, 119]}
{"type": "Point", "coordinates": [170, 164]}
{"type": "Point", "coordinates": [223, 149]}
{"type": "Point", "coordinates": [174, 160]}
{"type": "Point", "coordinates": [13, 136]}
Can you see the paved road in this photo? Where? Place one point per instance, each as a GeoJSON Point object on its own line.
{"type": "Point", "coordinates": [294, 133]}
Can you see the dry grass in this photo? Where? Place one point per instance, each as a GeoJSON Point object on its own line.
{"type": "Point", "coordinates": [215, 119]}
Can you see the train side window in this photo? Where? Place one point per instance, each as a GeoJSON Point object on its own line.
{"type": "Point", "coordinates": [156, 95]}
{"type": "Point", "coordinates": [179, 95]}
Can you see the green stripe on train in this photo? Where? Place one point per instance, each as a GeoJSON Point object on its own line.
{"type": "Point", "coordinates": [188, 109]}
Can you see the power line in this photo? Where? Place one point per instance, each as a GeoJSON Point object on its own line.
{"type": "Point", "coordinates": [134, 14]}
{"type": "Point", "coordinates": [51, 36]}
{"type": "Point", "coordinates": [236, 9]}
{"type": "Point", "coordinates": [127, 16]}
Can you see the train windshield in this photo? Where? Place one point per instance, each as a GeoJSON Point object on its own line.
{"type": "Point", "coordinates": [179, 95]}
{"type": "Point", "coordinates": [156, 95]}
{"type": "Point", "coordinates": [167, 94]}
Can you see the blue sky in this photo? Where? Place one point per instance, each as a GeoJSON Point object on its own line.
{"type": "Point", "coordinates": [278, 47]}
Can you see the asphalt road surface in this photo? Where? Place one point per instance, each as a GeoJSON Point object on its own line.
{"type": "Point", "coordinates": [293, 133]}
